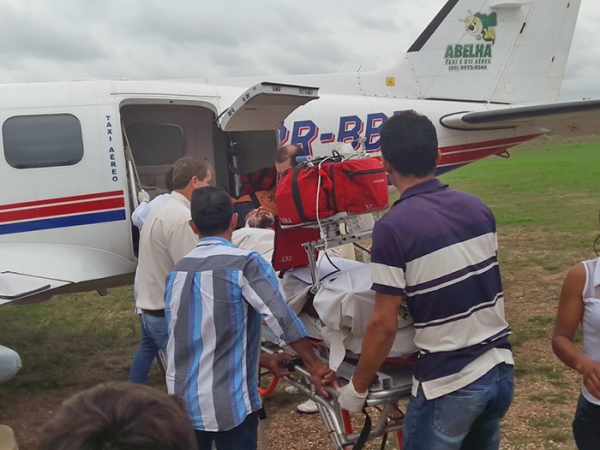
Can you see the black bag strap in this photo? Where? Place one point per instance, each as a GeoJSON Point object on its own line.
{"type": "Point", "coordinates": [353, 173]}
{"type": "Point", "coordinates": [296, 194]}
{"type": "Point", "coordinates": [333, 198]}
{"type": "Point", "coordinates": [277, 227]}
{"type": "Point", "coordinates": [254, 199]}
{"type": "Point", "coordinates": [365, 432]}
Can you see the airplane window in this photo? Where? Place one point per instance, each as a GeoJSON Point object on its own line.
{"type": "Point", "coordinates": [46, 140]}
{"type": "Point", "coordinates": [156, 144]}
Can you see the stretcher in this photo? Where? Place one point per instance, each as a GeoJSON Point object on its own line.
{"type": "Point", "coordinates": [392, 383]}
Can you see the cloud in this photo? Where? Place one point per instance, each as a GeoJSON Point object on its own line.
{"type": "Point", "coordinates": [150, 39]}
{"type": "Point", "coordinates": [25, 35]}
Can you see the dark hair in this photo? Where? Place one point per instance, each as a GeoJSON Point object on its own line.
{"type": "Point", "coordinates": [169, 180]}
{"type": "Point", "coordinates": [288, 151]}
{"type": "Point", "coordinates": [243, 209]}
{"type": "Point", "coordinates": [212, 210]}
{"type": "Point", "coordinates": [409, 143]}
{"type": "Point", "coordinates": [120, 416]}
{"type": "Point", "coordinates": [186, 168]}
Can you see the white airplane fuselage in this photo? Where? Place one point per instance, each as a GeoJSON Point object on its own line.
{"type": "Point", "coordinates": [76, 153]}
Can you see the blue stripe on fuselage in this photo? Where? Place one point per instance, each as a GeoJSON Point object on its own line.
{"type": "Point", "coordinates": [63, 222]}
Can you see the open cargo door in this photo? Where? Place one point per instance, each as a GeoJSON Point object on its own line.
{"type": "Point", "coordinates": [265, 106]}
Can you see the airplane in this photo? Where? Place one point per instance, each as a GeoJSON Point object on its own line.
{"type": "Point", "coordinates": [487, 72]}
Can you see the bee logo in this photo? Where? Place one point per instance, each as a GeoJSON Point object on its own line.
{"type": "Point", "coordinates": [482, 26]}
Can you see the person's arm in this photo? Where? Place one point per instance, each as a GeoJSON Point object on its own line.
{"type": "Point", "coordinates": [140, 214]}
{"type": "Point", "coordinates": [568, 318]}
{"type": "Point", "coordinates": [274, 363]}
{"type": "Point", "coordinates": [320, 373]}
{"type": "Point", "coordinates": [378, 340]}
{"type": "Point", "coordinates": [260, 289]}
{"type": "Point", "coordinates": [387, 269]}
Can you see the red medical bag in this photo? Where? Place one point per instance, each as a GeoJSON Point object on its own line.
{"type": "Point", "coordinates": [359, 186]}
{"type": "Point", "coordinates": [296, 195]}
{"type": "Point", "coordinates": [288, 251]}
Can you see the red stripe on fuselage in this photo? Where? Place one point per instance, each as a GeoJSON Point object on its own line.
{"type": "Point", "coordinates": [509, 142]}
{"type": "Point", "coordinates": [52, 201]}
{"type": "Point", "coordinates": [460, 154]}
{"type": "Point", "coordinates": [61, 210]}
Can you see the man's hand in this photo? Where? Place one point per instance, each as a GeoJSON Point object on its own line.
{"type": "Point", "coordinates": [320, 373]}
{"type": "Point", "coordinates": [143, 196]}
{"type": "Point", "coordinates": [274, 363]}
{"type": "Point", "coordinates": [591, 378]}
{"type": "Point", "coordinates": [321, 376]}
{"type": "Point", "coordinates": [350, 400]}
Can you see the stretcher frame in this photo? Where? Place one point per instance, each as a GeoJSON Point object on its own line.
{"type": "Point", "coordinates": [392, 383]}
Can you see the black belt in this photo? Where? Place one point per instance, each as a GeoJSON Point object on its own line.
{"type": "Point", "coordinates": [154, 312]}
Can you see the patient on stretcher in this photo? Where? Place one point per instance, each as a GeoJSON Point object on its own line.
{"type": "Point", "coordinates": [338, 313]}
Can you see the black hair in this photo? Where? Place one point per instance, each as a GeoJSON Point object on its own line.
{"type": "Point", "coordinates": [409, 143]}
{"type": "Point", "coordinates": [242, 209]}
{"type": "Point", "coordinates": [211, 210]}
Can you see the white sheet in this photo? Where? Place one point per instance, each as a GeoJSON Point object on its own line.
{"type": "Point", "coordinates": [259, 240]}
{"type": "Point", "coordinates": [344, 302]}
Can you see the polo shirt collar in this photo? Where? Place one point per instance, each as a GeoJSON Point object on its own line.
{"type": "Point", "coordinates": [422, 188]}
{"type": "Point", "coordinates": [215, 240]}
{"type": "Point", "coordinates": [597, 275]}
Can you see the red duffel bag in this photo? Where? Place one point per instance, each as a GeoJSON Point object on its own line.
{"type": "Point", "coordinates": [296, 196]}
{"type": "Point", "coordinates": [288, 251]}
{"type": "Point", "coordinates": [359, 186]}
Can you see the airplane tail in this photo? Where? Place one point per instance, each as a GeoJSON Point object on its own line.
{"type": "Point", "coordinates": [500, 51]}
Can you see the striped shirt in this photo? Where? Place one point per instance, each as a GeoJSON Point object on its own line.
{"type": "Point", "coordinates": [215, 298]}
{"type": "Point", "coordinates": [437, 248]}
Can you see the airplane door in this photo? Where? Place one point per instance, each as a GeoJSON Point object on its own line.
{"type": "Point", "coordinates": [251, 123]}
{"type": "Point", "coordinates": [265, 106]}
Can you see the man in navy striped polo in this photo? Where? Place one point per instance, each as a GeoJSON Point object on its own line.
{"type": "Point", "coordinates": [436, 251]}
{"type": "Point", "coordinates": [215, 299]}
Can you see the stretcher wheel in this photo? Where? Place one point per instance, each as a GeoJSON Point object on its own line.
{"type": "Point", "coordinates": [270, 388]}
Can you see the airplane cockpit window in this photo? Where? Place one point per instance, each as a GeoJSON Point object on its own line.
{"type": "Point", "coordinates": [156, 144]}
{"type": "Point", "coordinates": [46, 140]}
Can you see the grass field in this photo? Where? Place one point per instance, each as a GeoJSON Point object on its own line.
{"type": "Point", "coordinates": [546, 201]}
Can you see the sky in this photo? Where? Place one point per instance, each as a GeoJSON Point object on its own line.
{"type": "Point", "coordinates": [62, 40]}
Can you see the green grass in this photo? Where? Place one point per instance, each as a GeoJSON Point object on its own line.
{"type": "Point", "coordinates": [545, 199]}
{"type": "Point", "coordinates": [552, 190]}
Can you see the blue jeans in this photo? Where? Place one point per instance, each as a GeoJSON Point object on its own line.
{"type": "Point", "coordinates": [467, 419]}
{"type": "Point", "coordinates": [586, 426]}
{"type": "Point", "coordinates": [242, 437]}
{"type": "Point", "coordinates": [143, 358]}
{"type": "Point", "coordinates": [157, 329]}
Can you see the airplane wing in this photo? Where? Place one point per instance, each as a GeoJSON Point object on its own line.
{"type": "Point", "coordinates": [578, 118]}
{"type": "Point", "coordinates": [30, 273]}
{"type": "Point", "coordinates": [15, 286]}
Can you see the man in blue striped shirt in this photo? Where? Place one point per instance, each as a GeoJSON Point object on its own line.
{"type": "Point", "coordinates": [436, 250]}
{"type": "Point", "coordinates": [215, 299]}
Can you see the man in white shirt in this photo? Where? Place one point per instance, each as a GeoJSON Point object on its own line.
{"type": "Point", "coordinates": [166, 238]}
{"type": "Point", "coordinates": [141, 213]}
